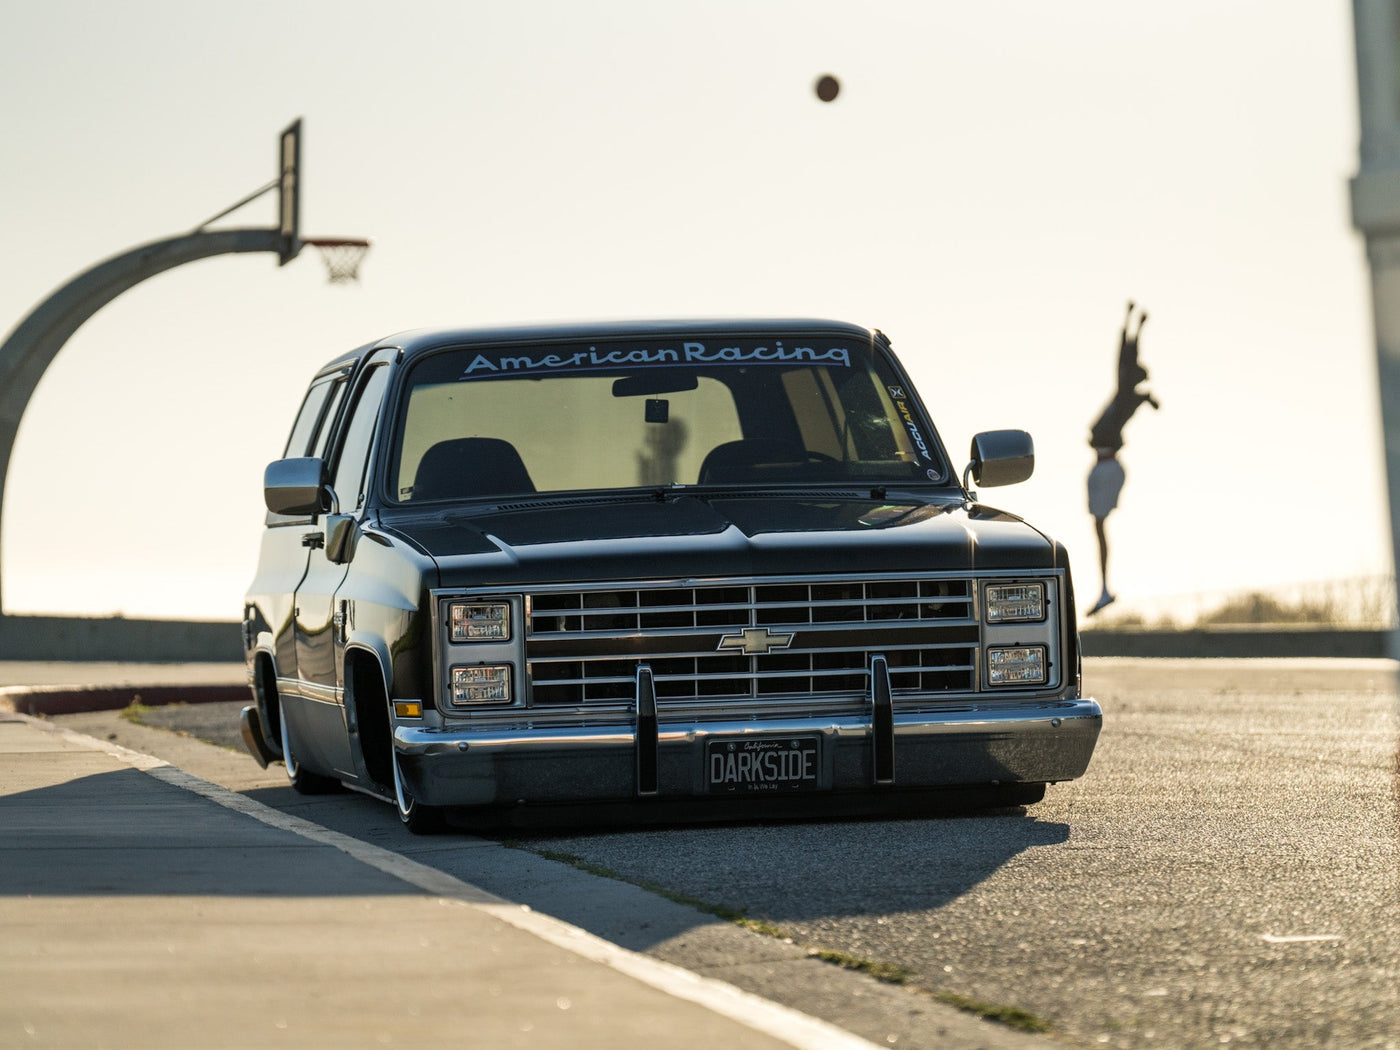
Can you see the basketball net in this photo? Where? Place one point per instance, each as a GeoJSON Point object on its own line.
{"type": "Point", "coordinates": [342, 256]}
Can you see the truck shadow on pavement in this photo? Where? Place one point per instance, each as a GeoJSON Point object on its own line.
{"type": "Point", "coordinates": [775, 874]}
{"type": "Point", "coordinates": [640, 887]}
{"type": "Point", "coordinates": [810, 869]}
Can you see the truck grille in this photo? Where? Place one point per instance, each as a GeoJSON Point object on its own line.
{"type": "Point", "coordinates": [751, 641]}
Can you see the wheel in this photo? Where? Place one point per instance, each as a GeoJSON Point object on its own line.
{"type": "Point", "coordinates": [304, 782]}
{"type": "Point", "coordinates": [374, 715]}
{"type": "Point", "coordinates": [418, 818]}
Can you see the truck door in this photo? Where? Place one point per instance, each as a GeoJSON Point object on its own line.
{"type": "Point", "coordinates": [283, 554]}
{"type": "Point", "coordinates": [319, 630]}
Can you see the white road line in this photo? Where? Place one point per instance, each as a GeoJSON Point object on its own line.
{"type": "Point", "coordinates": [797, 1029]}
{"type": "Point", "coordinates": [1299, 938]}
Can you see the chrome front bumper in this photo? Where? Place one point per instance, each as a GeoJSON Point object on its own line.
{"type": "Point", "coordinates": [1039, 741]}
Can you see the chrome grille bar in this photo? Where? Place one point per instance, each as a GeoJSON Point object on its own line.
{"type": "Point", "coordinates": [743, 605]}
{"type": "Point", "coordinates": [585, 646]}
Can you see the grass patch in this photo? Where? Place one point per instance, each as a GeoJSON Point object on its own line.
{"type": "Point", "coordinates": [135, 712]}
{"type": "Point", "coordinates": [890, 973]}
{"type": "Point", "coordinates": [735, 915]}
{"type": "Point", "coordinates": [1011, 1016]}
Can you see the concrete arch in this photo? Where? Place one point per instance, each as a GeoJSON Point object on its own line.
{"type": "Point", "coordinates": [31, 347]}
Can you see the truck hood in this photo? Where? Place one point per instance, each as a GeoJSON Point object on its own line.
{"type": "Point", "coordinates": [723, 535]}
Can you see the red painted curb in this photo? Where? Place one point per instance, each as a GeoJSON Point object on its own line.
{"type": "Point", "coordinates": [72, 700]}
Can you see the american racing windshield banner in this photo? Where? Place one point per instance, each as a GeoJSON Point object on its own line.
{"type": "Point", "coordinates": [518, 361]}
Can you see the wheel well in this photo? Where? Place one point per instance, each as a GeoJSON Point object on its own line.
{"type": "Point", "coordinates": [269, 703]}
{"type": "Point", "coordinates": [364, 682]}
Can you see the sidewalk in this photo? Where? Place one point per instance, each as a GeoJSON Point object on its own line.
{"type": "Point", "coordinates": [143, 907]}
{"type": "Point", "coordinates": [54, 688]}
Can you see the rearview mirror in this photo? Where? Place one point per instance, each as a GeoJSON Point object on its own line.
{"type": "Point", "coordinates": [1000, 457]}
{"type": "Point", "coordinates": [293, 486]}
{"type": "Point", "coordinates": [660, 381]}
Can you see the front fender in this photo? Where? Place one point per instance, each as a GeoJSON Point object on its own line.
{"type": "Point", "coordinates": [375, 647]}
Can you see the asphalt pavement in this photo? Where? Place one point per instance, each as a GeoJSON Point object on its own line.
{"type": "Point", "coordinates": [1228, 872]}
{"type": "Point", "coordinates": [144, 906]}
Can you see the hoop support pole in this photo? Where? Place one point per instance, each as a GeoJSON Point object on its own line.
{"type": "Point", "coordinates": [33, 344]}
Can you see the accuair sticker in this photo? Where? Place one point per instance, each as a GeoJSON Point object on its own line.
{"type": "Point", "coordinates": [901, 402]}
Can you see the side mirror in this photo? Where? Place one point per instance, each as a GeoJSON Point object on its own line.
{"type": "Point", "coordinates": [294, 486]}
{"type": "Point", "coordinates": [1000, 457]}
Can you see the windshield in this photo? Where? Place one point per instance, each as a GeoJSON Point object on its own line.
{"type": "Point", "coordinates": [734, 412]}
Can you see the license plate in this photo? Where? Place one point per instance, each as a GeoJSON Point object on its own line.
{"type": "Point", "coordinates": [772, 764]}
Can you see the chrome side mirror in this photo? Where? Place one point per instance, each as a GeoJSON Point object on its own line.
{"type": "Point", "coordinates": [1000, 457]}
{"type": "Point", "coordinates": [294, 486]}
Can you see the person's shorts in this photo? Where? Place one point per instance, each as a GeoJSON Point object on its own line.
{"type": "Point", "coordinates": [1105, 483]}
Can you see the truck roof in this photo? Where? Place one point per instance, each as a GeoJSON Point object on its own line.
{"type": "Point", "coordinates": [418, 340]}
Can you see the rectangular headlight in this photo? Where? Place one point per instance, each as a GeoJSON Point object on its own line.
{"type": "Point", "coordinates": [1015, 602]}
{"type": "Point", "coordinates": [479, 621]}
{"type": "Point", "coordinates": [1016, 665]}
{"type": "Point", "coordinates": [482, 684]}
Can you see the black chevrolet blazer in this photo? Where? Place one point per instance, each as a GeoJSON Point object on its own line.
{"type": "Point", "coordinates": [724, 567]}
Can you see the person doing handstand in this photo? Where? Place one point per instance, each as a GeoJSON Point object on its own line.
{"type": "Point", "coordinates": [1106, 438]}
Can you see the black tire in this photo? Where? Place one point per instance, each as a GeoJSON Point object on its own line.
{"type": "Point", "coordinates": [304, 782]}
{"type": "Point", "coordinates": [374, 711]}
{"type": "Point", "coordinates": [418, 818]}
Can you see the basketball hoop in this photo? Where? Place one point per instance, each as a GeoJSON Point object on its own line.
{"type": "Point", "coordinates": [342, 256]}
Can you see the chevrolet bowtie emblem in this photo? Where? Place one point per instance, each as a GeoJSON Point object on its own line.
{"type": "Point", "coordinates": [755, 641]}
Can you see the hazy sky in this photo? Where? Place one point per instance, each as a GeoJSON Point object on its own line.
{"type": "Point", "coordinates": [993, 183]}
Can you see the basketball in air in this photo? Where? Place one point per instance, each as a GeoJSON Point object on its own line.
{"type": "Point", "coordinates": [828, 87]}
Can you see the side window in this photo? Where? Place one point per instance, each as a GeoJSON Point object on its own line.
{"type": "Point", "coordinates": [311, 431]}
{"type": "Point", "coordinates": [312, 427]}
{"type": "Point", "coordinates": [307, 419]}
{"type": "Point", "coordinates": [349, 478]}
{"type": "Point", "coordinates": [323, 435]}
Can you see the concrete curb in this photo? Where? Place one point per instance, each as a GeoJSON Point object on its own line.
{"type": "Point", "coordinates": [44, 701]}
{"type": "Point", "coordinates": [1263, 641]}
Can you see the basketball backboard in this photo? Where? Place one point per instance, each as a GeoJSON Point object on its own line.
{"type": "Point", "coordinates": [289, 193]}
